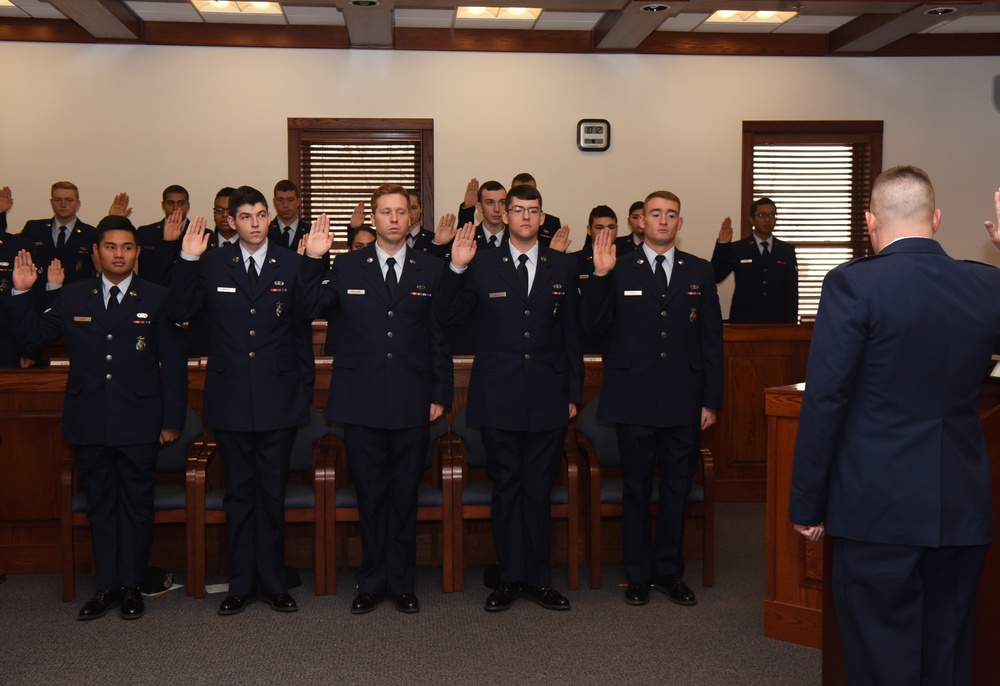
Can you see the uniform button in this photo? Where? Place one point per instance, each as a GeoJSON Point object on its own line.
{"type": "Point", "coordinates": [764, 281]}
{"type": "Point", "coordinates": [663, 334]}
{"type": "Point", "coordinates": [389, 334]}
{"type": "Point", "coordinates": [253, 333]}
{"type": "Point", "coordinates": [663, 355]}
{"type": "Point", "coordinates": [527, 313]}
{"type": "Point", "coordinates": [527, 356]}
{"type": "Point", "coordinates": [108, 377]}
{"type": "Point", "coordinates": [527, 334]}
{"type": "Point", "coordinates": [253, 354]}
{"type": "Point", "coordinates": [253, 310]}
{"type": "Point", "coordinates": [388, 356]}
{"type": "Point", "coordinates": [391, 313]}
{"type": "Point", "coordinates": [110, 337]}
{"type": "Point", "coordinates": [663, 314]}
{"type": "Point", "coordinates": [107, 357]}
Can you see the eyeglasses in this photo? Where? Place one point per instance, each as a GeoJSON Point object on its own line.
{"type": "Point", "coordinates": [766, 215]}
{"type": "Point", "coordinates": [220, 210]}
{"type": "Point", "coordinates": [517, 211]}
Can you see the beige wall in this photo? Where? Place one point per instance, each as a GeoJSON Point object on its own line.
{"type": "Point", "coordinates": [138, 118]}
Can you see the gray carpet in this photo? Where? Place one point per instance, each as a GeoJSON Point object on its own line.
{"type": "Point", "coordinates": [452, 640]}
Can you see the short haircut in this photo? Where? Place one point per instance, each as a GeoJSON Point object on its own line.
{"type": "Point", "coordinates": [353, 231]}
{"type": "Point", "coordinates": [415, 194]}
{"type": "Point", "coordinates": [522, 178]}
{"type": "Point", "coordinates": [285, 186]}
{"type": "Point", "coordinates": [175, 188]}
{"type": "Point", "coordinates": [388, 189]}
{"type": "Point", "coordinates": [637, 205]}
{"type": "Point", "coordinates": [112, 223]}
{"type": "Point", "coordinates": [758, 203]}
{"type": "Point", "coordinates": [490, 186]}
{"type": "Point", "coordinates": [903, 193]}
{"type": "Point", "coordinates": [65, 186]}
{"type": "Point", "coordinates": [523, 192]}
{"type": "Point", "coordinates": [226, 192]}
{"type": "Point", "coordinates": [246, 195]}
{"type": "Point", "coordinates": [601, 211]}
{"type": "Point", "coordinates": [666, 195]}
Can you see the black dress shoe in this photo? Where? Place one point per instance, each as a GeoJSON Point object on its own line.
{"type": "Point", "coordinates": [546, 596]}
{"type": "Point", "coordinates": [502, 597]}
{"type": "Point", "coordinates": [675, 588]}
{"type": "Point", "coordinates": [234, 604]}
{"type": "Point", "coordinates": [637, 593]}
{"type": "Point", "coordinates": [282, 602]}
{"type": "Point", "coordinates": [99, 604]}
{"type": "Point", "coordinates": [132, 605]}
{"type": "Point", "coordinates": [366, 602]}
{"type": "Point", "coordinates": [407, 603]}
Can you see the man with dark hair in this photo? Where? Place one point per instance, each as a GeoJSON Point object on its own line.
{"type": "Point", "coordinates": [527, 379]}
{"type": "Point", "coordinates": [160, 241]}
{"type": "Point", "coordinates": [767, 273]}
{"type": "Point", "coordinates": [662, 385]}
{"type": "Point", "coordinates": [224, 235]}
{"type": "Point", "coordinates": [890, 456]}
{"type": "Point", "coordinates": [64, 237]}
{"type": "Point", "coordinates": [467, 210]}
{"type": "Point", "coordinates": [125, 396]}
{"type": "Point", "coordinates": [632, 240]}
{"type": "Point", "coordinates": [392, 376]}
{"type": "Point", "coordinates": [257, 387]}
{"type": "Point", "coordinates": [287, 228]}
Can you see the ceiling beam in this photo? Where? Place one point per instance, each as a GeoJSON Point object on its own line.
{"type": "Point", "coordinates": [102, 18]}
{"type": "Point", "coordinates": [368, 27]}
{"type": "Point", "coordinates": [871, 32]}
{"type": "Point", "coordinates": [627, 28]}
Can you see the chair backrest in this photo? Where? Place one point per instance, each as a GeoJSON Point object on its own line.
{"type": "Point", "coordinates": [173, 457]}
{"type": "Point", "coordinates": [475, 452]}
{"type": "Point", "coordinates": [602, 435]}
{"type": "Point", "coordinates": [305, 440]}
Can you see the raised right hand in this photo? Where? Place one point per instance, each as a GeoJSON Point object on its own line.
{"type": "Point", "coordinates": [726, 230]}
{"type": "Point", "coordinates": [24, 274]}
{"type": "Point", "coordinates": [471, 193]}
{"type": "Point", "coordinates": [195, 241]}
{"type": "Point", "coordinates": [994, 229]}
{"type": "Point", "coordinates": [463, 248]}
{"type": "Point", "coordinates": [319, 239]}
{"type": "Point", "coordinates": [605, 253]}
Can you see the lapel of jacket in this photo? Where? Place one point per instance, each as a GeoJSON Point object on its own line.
{"type": "Point", "coordinates": [238, 273]}
{"type": "Point", "coordinates": [408, 280]}
{"type": "Point", "coordinates": [678, 276]}
{"type": "Point", "coordinates": [644, 275]}
{"type": "Point", "coordinates": [542, 274]}
{"type": "Point", "coordinates": [372, 272]}
{"type": "Point", "coordinates": [507, 271]}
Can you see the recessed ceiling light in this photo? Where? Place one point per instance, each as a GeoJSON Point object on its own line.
{"type": "Point", "coordinates": [939, 11]}
{"type": "Point", "coordinates": [364, 3]}
{"type": "Point", "coordinates": [655, 7]}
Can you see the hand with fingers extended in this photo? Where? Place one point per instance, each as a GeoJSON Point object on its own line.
{"type": "Point", "coordinates": [319, 239]}
{"type": "Point", "coordinates": [195, 241]}
{"type": "Point", "coordinates": [463, 248]}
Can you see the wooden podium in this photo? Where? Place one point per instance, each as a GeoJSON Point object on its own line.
{"type": "Point", "coordinates": [795, 596]}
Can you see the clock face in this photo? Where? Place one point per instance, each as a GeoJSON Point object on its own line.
{"type": "Point", "coordinates": [593, 134]}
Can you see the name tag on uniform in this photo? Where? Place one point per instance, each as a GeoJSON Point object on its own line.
{"type": "Point", "coordinates": [82, 319]}
{"type": "Point", "coordinates": [632, 293]}
{"type": "Point", "coordinates": [355, 291]}
{"type": "Point", "coordinates": [226, 289]}
{"type": "Point", "coordinates": [746, 261]}
{"type": "Point", "coordinates": [584, 276]}
{"type": "Point", "coordinates": [501, 294]}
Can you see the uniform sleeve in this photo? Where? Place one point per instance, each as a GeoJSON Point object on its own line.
{"type": "Point", "coordinates": [721, 263]}
{"type": "Point", "coordinates": [834, 356]}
